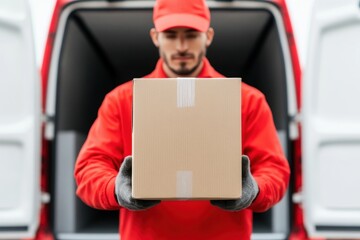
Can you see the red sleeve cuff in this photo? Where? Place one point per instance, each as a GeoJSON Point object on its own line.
{"type": "Point", "coordinates": [110, 194]}
{"type": "Point", "coordinates": [261, 197]}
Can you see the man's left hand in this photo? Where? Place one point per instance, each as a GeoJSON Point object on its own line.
{"type": "Point", "coordinates": [250, 190]}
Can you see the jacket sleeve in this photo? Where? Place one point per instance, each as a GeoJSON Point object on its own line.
{"type": "Point", "coordinates": [99, 160]}
{"type": "Point", "coordinates": [269, 166]}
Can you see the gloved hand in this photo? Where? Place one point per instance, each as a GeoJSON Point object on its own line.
{"type": "Point", "coordinates": [250, 190]}
{"type": "Point", "coordinates": [123, 189]}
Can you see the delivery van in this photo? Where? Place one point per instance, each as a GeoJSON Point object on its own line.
{"type": "Point", "coordinates": [93, 46]}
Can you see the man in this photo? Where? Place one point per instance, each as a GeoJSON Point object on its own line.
{"type": "Point", "coordinates": [182, 34]}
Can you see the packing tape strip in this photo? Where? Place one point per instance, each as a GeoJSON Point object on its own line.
{"type": "Point", "coordinates": [185, 92]}
{"type": "Point", "coordinates": [184, 184]}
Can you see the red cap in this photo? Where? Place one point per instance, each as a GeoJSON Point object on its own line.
{"type": "Point", "coordinates": [181, 13]}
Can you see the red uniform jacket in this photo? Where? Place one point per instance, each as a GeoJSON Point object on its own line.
{"type": "Point", "coordinates": [109, 141]}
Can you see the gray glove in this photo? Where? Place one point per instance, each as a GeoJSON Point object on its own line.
{"type": "Point", "coordinates": [250, 190]}
{"type": "Point", "coordinates": [123, 189]}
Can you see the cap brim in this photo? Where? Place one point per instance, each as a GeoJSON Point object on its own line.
{"type": "Point", "coordinates": [182, 20]}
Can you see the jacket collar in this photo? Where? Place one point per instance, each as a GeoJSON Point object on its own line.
{"type": "Point", "coordinates": [206, 72]}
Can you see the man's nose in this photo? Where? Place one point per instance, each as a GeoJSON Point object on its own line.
{"type": "Point", "coordinates": [182, 44]}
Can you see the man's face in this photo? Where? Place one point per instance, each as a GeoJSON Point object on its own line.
{"type": "Point", "coordinates": [182, 50]}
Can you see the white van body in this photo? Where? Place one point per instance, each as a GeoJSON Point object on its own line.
{"type": "Point", "coordinates": [90, 57]}
{"type": "Point", "coordinates": [20, 121]}
{"type": "Point", "coordinates": [331, 121]}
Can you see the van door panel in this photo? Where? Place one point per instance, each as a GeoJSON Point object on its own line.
{"type": "Point", "coordinates": [19, 123]}
{"type": "Point", "coordinates": [332, 121]}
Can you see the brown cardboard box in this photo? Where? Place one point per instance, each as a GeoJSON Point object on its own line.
{"type": "Point", "coordinates": [186, 138]}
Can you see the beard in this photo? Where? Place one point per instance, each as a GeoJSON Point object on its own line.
{"type": "Point", "coordinates": [183, 70]}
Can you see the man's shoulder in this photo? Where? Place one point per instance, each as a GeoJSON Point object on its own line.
{"type": "Point", "coordinates": [248, 91]}
{"type": "Point", "coordinates": [120, 95]}
{"type": "Point", "coordinates": [123, 90]}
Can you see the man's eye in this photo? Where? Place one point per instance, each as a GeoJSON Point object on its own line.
{"type": "Point", "coordinates": [170, 36]}
{"type": "Point", "coordinates": [191, 36]}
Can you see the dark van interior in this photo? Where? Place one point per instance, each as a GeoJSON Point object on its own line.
{"type": "Point", "coordinates": [105, 45]}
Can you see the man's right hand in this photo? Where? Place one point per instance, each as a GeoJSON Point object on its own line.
{"type": "Point", "coordinates": [123, 189]}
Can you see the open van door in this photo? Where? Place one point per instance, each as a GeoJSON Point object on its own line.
{"type": "Point", "coordinates": [331, 121]}
{"type": "Point", "coordinates": [20, 118]}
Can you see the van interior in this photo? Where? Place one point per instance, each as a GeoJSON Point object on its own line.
{"type": "Point", "coordinates": [106, 44]}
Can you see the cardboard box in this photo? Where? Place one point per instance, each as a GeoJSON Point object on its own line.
{"type": "Point", "coordinates": [186, 138]}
